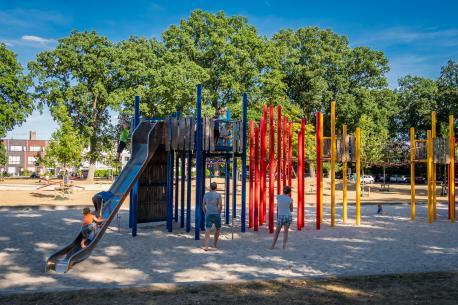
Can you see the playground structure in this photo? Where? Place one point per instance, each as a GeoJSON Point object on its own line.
{"type": "Point", "coordinates": [149, 175]}
{"type": "Point", "coordinates": [331, 148]}
{"type": "Point", "coordinates": [433, 151]}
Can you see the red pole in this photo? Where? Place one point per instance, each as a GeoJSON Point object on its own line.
{"type": "Point", "coordinates": [285, 153]}
{"type": "Point", "coordinates": [290, 151]}
{"type": "Point", "coordinates": [271, 169]}
{"type": "Point", "coordinates": [304, 166]}
{"type": "Point", "coordinates": [279, 148]}
{"type": "Point", "coordinates": [263, 193]}
{"type": "Point", "coordinates": [256, 179]}
{"type": "Point", "coordinates": [300, 177]}
{"type": "Point", "coordinates": [252, 173]}
{"type": "Point", "coordinates": [318, 169]}
{"type": "Point", "coordinates": [448, 189]}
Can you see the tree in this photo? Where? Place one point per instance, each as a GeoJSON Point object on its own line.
{"type": "Point", "coordinates": [447, 87]}
{"type": "Point", "coordinates": [374, 137]}
{"type": "Point", "coordinates": [232, 54]}
{"type": "Point", "coordinates": [65, 147]}
{"type": "Point", "coordinates": [15, 101]}
{"type": "Point", "coordinates": [80, 76]}
{"type": "Point", "coordinates": [417, 99]}
{"type": "Point", "coordinates": [165, 80]}
{"type": "Point", "coordinates": [319, 66]}
{"type": "Point", "coordinates": [3, 158]}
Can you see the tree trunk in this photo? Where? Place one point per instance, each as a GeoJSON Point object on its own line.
{"type": "Point", "coordinates": [312, 170]}
{"type": "Point", "coordinates": [91, 172]}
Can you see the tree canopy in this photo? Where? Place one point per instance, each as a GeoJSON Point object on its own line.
{"type": "Point", "coordinates": [15, 101]}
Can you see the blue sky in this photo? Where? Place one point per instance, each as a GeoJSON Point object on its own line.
{"type": "Point", "coordinates": [418, 37]}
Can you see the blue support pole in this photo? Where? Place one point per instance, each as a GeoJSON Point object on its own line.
{"type": "Point", "coordinates": [244, 131]}
{"type": "Point", "coordinates": [177, 169]}
{"type": "Point", "coordinates": [183, 170]}
{"type": "Point", "coordinates": [227, 175]}
{"type": "Point", "coordinates": [188, 190]}
{"type": "Point", "coordinates": [134, 191]}
{"type": "Point", "coordinates": [199, 166]}
{"type": "Point", "coordinates": [169, 211]}
{"type": "Point", "coordinates": [204, 183]}
{"type": "Point", "coordinates": [234, 187]}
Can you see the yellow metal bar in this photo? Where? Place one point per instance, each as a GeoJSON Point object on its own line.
{"type": "Point", "coordinates": [344, 174]}
{"type": "Point", "coordinates": [321, 175]}
{"type": "Point", "coordinates": [452, 167]}
{"type": "Point", "coordinates": [429, 175]}
{"type": "Point", "coordinates": [358, 176]}
{"type": "Point", "coordinates": [412, 173]}
{"type": "Point", "coordinates": [333, 163]}
{"type": "Point", "coordinates": [433, 136]}
{"type": "Point", "coordinates": [422, 141]}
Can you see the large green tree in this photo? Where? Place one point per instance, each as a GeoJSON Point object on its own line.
{"type": "Point", "coordinates": [80, 74]}
{"type": "Point", "coordinates": [447, 86]}
{"type": "Point", "coordinates": [319, 65]}
{"type": "Point", "coordinates": [15, 101]}
{"type": "Point", "coordinates": [234, 57]}
{"type": "Point", "coordinates": [165, 80]}
{"type": "Point", "coordinates": [417, 98]}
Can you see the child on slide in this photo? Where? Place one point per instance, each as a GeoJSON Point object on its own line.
{"type": "Point", "coordinates": [123, 138]}
{"type": "Point", "coordinates": [88, 226]}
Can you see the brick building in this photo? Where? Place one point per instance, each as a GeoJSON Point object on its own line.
{"type": "Point", "coordinates": [22, 154]}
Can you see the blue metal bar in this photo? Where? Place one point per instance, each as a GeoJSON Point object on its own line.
{"type": "Point", "coordinates": [244, 131]}
{"type": "Point", "coordinates": [177, 170]}
{"type": "Point", "coordinates": [188, 190]}
{"type": "Point", "coordinates": [183, 175]}
{"type": "Point", "coordinates": [234, 188]}
{"type": "Point", "coordinates": [227, 175]}
{"type": "Point", "coordinates": [134, 192]}
{"type": "Point", "coordinates": [198, 161]}
{"type": "Point", "coordinates": [204, 183]}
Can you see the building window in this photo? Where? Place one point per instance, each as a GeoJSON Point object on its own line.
{"type": "Point", "coordinates": [15, 148]}
{"type": "Point", "coordinates": [31, 160]}
{"type": "Point", "coordinates": [35, 148]}
{"type": "Point", "coordinates": [14, 160]}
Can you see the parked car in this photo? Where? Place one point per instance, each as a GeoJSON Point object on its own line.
{"type": "Point", "coordinates": [393, 178]}
{"type": "Point", "coordinates": [402, 179]}
{"type": "Point", "coordinates": [420, 179]}
{"type": "Point", "coordinates": [367, 179]}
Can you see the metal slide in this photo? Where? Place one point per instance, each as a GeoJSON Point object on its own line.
{"type": "Point", "coordinates": [145, 140]}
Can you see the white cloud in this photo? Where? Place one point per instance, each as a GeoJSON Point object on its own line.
{"type": "Point", "coordinates": [37, 39]}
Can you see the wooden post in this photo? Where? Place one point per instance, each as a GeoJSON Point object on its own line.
{"type": "Point", "coordinates": [319, 172]}
{"type": "Point", "coordinates": [256, 179]}
{"type": "Point", "coordinates": [300, 177]}
{"type": "Point", "coordinates": [279, 149]}
{"type": "Point", "coordinates": [262, 172]}
{"type": "Point", "coordinates": [358, 176]}
{"type": "Point", "coordinates": [344, 174]}
{"type": "Point", "coordinates": [433, 136]}
{"type": "Point", "coordinates": [412, 173]}
{"type": "Point", "coordinates": [452, 168]}
{"type": "Point", "coordinates": [429, 174]}
{"type": "Point", "coordinates": [333, 163]}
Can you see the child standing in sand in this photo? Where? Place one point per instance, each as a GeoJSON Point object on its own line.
{"type": "Point", "coordinates": [88, 225]}
{"type": "Point", "coordinates": [284, 218]}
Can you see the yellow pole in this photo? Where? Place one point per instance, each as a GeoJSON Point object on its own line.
{"type": "Point", "coordinates": [358, 176]}
{"type": "Point", "coordinates": [321, 174]}
{"type": "Point", "coordinates": [344, 174]}
{"type": "Point", "coordinates": [452, 167]}
{"type": "Point", "coordinates": [433, 136]}
{"type": "Point", "coordinates": [429, 174]}
{"type": "Point", "coordinates": [412, 173]}
{"type": "Point", "coordinates": [333, 163]}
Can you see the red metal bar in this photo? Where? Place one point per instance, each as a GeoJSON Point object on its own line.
{"type": "Point", "coordinates": [290, 154]}
{"type": "Point", "coordinates": [256, 179]}
{"type": "Point", "coordinates": [448, 190]}
{"type": "Point", "coordinates": [285, 152]}
{"type": "Point", "coordinates": [271, 169]}
{"type": "Point", "coordinates": [279, 148]}
{"type": "Point", "coordinates": [304, 158]}
{"type": "Point", "coordinates": [318, 169]}
{"type": "Point", "coordinates": [300, 177]}
{"type": "Point", "coordinates": [263, 193]}
{"type": "Point", "coordinates": [252, 166]}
